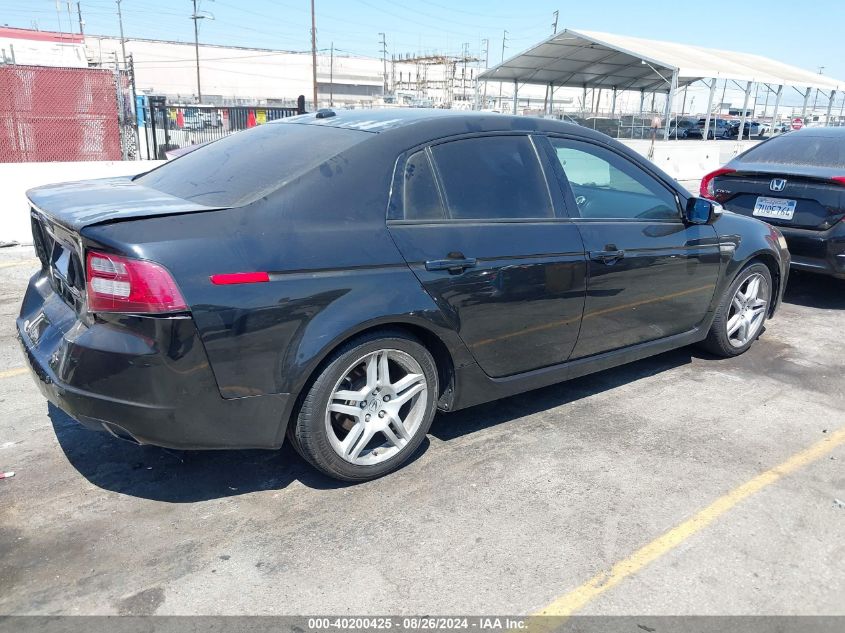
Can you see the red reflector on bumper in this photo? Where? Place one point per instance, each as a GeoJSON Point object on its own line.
{"type": "Point", "coordinates": [239, 278]}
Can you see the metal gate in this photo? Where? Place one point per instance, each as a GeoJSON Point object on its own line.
{"type": "Point", "coordinates": [168, 126]}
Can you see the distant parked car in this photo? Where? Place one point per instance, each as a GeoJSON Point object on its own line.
{"type": "Point", "coordinates": [212, 118]}
{"type": "Point", "coordinates": [719, 128]}
{"type": "Point", "coordinates": [193, 121]}
{"type": "Point", "coordinates": [752, 128]}
{"type": "Point", "coordinates": [605, 125]}
{"type": "Point", "coordinates": [795, 182]}
{"type": "Point", "coordinates": [635, 126]}
{"type": "Point", "coordinates": [684, 128]}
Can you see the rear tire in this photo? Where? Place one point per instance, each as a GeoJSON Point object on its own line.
{"type": "Point", "coordinates": [742, 312]}
{"type": "Point", "coordinates": [369, 409]}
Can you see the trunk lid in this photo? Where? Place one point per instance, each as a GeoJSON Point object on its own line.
{"type": "Point", "coordinates": [819, 201]}
{"type": "Point", "coordinates": [76, 205]}
{"type": "Point", "coordinates": [60, 212]}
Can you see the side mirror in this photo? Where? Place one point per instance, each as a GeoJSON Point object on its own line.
{"type": "Point", "coordinates": [701, 211]}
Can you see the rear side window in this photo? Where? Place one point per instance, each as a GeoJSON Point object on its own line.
{"type": "Point", "coordinates": [494, 177]}
{"type": "Point", "coordinates": [800, 149]}
{"type": "Point", "coordinates": [245, 166]}
{"type": "Point", "coordinates": [421, 199]}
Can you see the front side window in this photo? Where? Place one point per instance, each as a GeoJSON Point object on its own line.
{"type": "Point", "coordinates": [607, 185]}
{"type": "Point", "coordinates": [492, 177]}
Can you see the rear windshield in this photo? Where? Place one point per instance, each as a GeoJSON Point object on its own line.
{"type": "Point", "coordinates": [800, 149]}
{"type": "Point", "coordinates": [245, 166]}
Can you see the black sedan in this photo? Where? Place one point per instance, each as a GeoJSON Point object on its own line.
{"type": "Point", "coordinates": [336, 278]}
{"type": "Point", "coordinates": [797, 183]}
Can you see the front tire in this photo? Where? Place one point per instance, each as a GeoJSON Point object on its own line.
{"type": "Point", "coordinates": [741, 313]}
{"type": "Point", "coordinates": [370, 408]}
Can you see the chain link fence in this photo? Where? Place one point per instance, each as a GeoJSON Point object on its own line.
{"type": "Point", "coordinates": [65, 114]}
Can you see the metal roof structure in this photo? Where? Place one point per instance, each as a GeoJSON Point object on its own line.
{"type": "Point", "coordinates": [589, 59]}
{"type": "Point", "coordinates": [606, 60]}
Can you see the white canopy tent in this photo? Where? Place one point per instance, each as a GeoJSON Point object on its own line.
{"type": "Point", "coordinates": [589, 59]}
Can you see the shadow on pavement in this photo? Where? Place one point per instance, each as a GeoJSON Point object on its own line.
{"type": "Point", "coordinates": [815, 291]}
{"type": "Point", "coordinates": [189, 476]}
{"type": "Point", "coordinates": [447, 427]}
{"type": "Point", "coordinates": [175, 476]}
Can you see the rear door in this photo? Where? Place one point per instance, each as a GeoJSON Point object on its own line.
{"type": "Point", "coordinates": [478, 224]}
{"type": "Point", "coordinates": [650, 275]}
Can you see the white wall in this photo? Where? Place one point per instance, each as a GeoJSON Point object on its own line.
{"type": "Point", "coordinates": [16, 178]}
{"type": "Point", "coordinates": [689, 160]}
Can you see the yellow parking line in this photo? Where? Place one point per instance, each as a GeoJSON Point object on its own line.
{"type": "Point", "coordinates": [25, 262]}
{"type": "Point", "coordinates": [578, 598]}
{"type": "Point", "coordinates": [9, 373]}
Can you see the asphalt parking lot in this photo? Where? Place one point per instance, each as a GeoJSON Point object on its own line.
{"type": "Point", "coordinates": [511, 507]}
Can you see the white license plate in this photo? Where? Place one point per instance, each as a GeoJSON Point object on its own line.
{"type": "Point", "coordinates": [777, 208]}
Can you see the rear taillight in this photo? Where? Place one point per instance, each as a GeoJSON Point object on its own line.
{"type": "Point", "coordinates": [123, 284]}
{"type": "Point", "coordinates": [840, 180]}
{"type": "Point", "coordinates": [707, 190]}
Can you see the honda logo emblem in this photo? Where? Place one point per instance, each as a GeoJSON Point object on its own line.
{"type": "Point", "coordinates": [777, 184]}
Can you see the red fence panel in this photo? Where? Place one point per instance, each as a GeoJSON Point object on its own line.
{"type": "Point", "coordinates": [58, 114]}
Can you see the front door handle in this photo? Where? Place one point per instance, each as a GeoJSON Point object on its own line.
{"type": "Point", "coordinates": [455, 265]}
{"type": "Point", "coordinates": [607, 257]}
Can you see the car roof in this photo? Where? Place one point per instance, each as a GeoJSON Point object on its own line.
{"type": "Point", "coordinates": [377, 120]}
{"type": "Point", "coordinates": [419, 125]}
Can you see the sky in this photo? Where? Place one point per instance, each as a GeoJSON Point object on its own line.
{"type": "Point", "coordinates": [807, 35]}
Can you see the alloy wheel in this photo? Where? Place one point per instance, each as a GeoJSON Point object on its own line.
{"type": "Point", "coordinates": [377, 407]}
{"type": "Point", "coordinates": [748, 310]}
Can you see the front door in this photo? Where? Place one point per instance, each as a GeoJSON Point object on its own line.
{"type": "Point", "coordinates": [650, 275]}
{"type": "Point", "coordinates": [476, 221]}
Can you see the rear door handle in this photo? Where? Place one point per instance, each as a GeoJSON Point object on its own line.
{"type": "Point", "coordinates": [453, 265]}
{"type": "Point", "coordinates": [607, 257]}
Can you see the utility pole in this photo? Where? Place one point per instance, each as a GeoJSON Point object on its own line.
{"type": "Point", "coordinates": [81, 21]}
{"type": "Point", "coordinates": [195, 17]}
{"type": "Point", "coordinates": [504, 40]}
{"type": "Point", "coordinates": [816, 98]}
{"type": "Point", "coordinates": [486, 43]}
{"type": "Point", "coordinates": [69, 16]}
{"type": "Point", "coordinates": [554, 32]}
{"type": "Point", "coordinates": [383, 43]}
{"type": "Point", "coordinates": [314, 54]}
{"type": "Point", "coordinates": [464, 77]}
{"type": "Point", "coordinates": [331, 77]}
{"type": "Point", "coordinates": [122, 39]}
